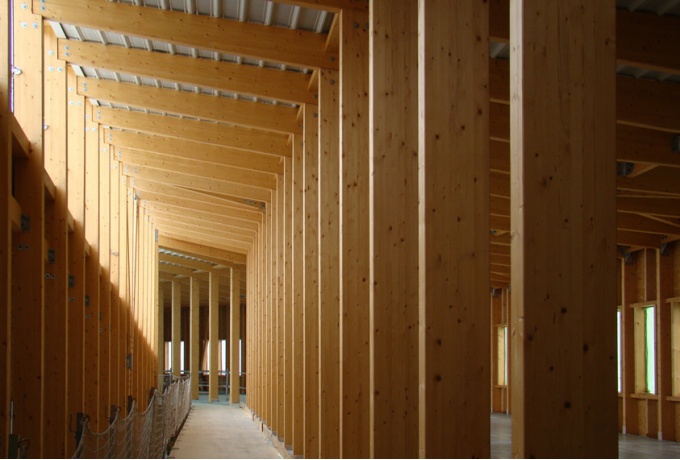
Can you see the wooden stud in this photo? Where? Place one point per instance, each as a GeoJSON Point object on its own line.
{"type": "Point", "coordinates": [235, 337]}
{"type": "Point", "coordinates": [563, 317]}
{"type": "Point", "coordinates": [160, 342]}
{"type": "Point", "coordinates": [55, 419]}
{"type": "Point", "coordinates": [288, 303]}
{"type": "Point", "coordinates": [117, 356]}
{"type": "Point", "coordinates": [664, 334]}
{"type": "Point", "coordinates": [354, 254]}
{"type": "Point", "coordinates": [311, 282]}
{"type": "Point", "coordinates": [394, 232]}
{"type": "Point", "coordinates": [214, 338]}
{"type": "Point", "coordinates": [297, 282]}
{"type": "Point", "coordinates": [6, 226]}
{"type": "Point", "coordinates": [176, 329]}
{"type": "Point", "coordinates": [105, 288]}
{"type": "Point", "coordinates": [453, 217]}
{"type": "Point", "coordinates": [329, 268]}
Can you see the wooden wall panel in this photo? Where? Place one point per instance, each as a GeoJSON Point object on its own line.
{"type": "Point", "coordinates": [454, 215]}
{"type": "Point", "coordinates": [565, 294]}
{"type": "Point", "coordinates": [354, 252]}
{"type": "Point", "coordinates": [56, 270]}
{"type": "Point", "coordinates": [394, 239]}
{"type": "Point", "coordinates": [329, 266]}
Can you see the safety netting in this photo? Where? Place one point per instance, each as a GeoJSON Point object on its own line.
{"type": "Point", "coordinates": [144, 434]}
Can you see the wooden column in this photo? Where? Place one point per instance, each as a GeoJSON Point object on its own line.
{"type": "Point", "coordinates": [394, 214]}
{"type": "Point", "coordinates": [28, 278]}
{"type": "Point", "coordinates": [563, 219]}
{"type": "Point", "coordinates": [288, 303]}
{"type": "Point", "coordinates": [355, 237]}
{"type": "Point", "coordinates": [92, 272]}
{"type": "Point", "coordinates": [177, 328]}
{"type": "Point", "coordinates": [235, 336]}
{"type": "Point", "coordinates": [664, 289]}
{"type": "Point", "coordinates": [5, 220]}
{"type": "Point", "coordinates": [280, 396]}
{"type": "Point", "coordinates": [117, 355]}
{"type": "Point", "coordinates": [311, 281]}
{"type": "Point", "coordinates": [56, 270]}
{"type": "Point", "coordinates": [454, 229]}
{"type": "Point", "coordinates": [105, 288]}
{"type": "Point", "coordinates": [329, 265]}
{"type": "Point", "coordinates": [297, 301]}
{"type": "Point", "coordinates": [160, 341]}
{"type": "Point", "coordinates": [214, 308]}
{"type": "Point", "coordinates": [195, 307]}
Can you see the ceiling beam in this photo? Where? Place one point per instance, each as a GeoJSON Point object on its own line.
{"type": "Point", "coordinates": [245, 227]}
{"type": "Point", "coordinates": [198, 238]}
{"type": "Point", "coordinates": [197, 168]}
{"type": "Point", "coordinates": [264, 82]}
{"type": "Point", "coordinates": [277, 44]}
{"type": "Point", "coordinates": [640, 223]}
{"type": "Point", "coordinates": [658, 206]}
{"type": "Point", "coordinates": [205, 252]}
{"type": "Point", "coordinates": [185, 262]}
{"type": "Point", "coordinates": [660, 180]}
{"type": "Point", "coordinates": [188, 199]}
{"type": "Point", "coordinates": [196, 182]}
{"type": "Point", "coordinates": [211, 231]}
{"type": "Point", "coordinates": [207, 132]}
{"type": "Point", "coordinates": [257, 115]}
{"type": "Point", "coordinates": [195, 150]}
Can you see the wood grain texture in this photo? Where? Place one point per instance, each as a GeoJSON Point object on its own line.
{"type": "Point", "coordinates": [562, 151]}
{"type": "Point", "coordinates": [454, 209]}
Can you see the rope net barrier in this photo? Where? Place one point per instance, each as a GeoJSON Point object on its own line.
{"type": "Point", "coordinates": [140, 434]}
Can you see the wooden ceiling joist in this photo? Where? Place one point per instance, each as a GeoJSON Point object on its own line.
{"type": "Point", "coordinates": [186, 200]}
{"type": "Point", "coordinates": [659, 206]}
{"type": "Point", "coordinates": [228, 230]}
{"type": "Point", "coordinates": [185, 262]}
{"type": "Point", "coordinates": [214, 230]}
{"type": "Point", "coordinates": [252, 80]}
{"type": "Point", "coordinates": [236, 137]}
{"type": "Point", "coordinates": [195, 151]}
{"type": "Point", "coordinates": [197, 168]}
{"type": "Point", "coordinates": [329, 5]}
{"type": "Point", "coordinates": [245, 227]}
{"type": "Point", "coordinates": [201, 251]}
{"type": "Point", "coordinates": [192, 237]}
{"type": "Point", "coordinates": [195, 182]}
{"type": "Point", "coordinates": [240, 112]}
{"type": "Point", "coordinates": [277, 44]}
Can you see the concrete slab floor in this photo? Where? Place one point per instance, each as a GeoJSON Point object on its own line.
{"type": "Point", "coordinates": [220, 430]}
{"type": "Point", "coordinates": [629, 446]}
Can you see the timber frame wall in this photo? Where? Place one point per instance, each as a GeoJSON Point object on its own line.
{"type": "Point", "coordinates": [358, 221]}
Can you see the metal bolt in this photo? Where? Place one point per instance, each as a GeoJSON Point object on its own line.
{"type": "Point", "coordinates": [24, 6]}
{"type": "Point", "coordinates": [51, 53]}
{"type": "Point", "coordinates": [51, 68]}
{"type": "Point", "coordinates": [60, 69]}
{"type": "Point", "coordinates": [35, 25]}
{"type": "Point", "coordinates": [43, 8]}
{"type": "Point", "coordinates": [24, 25]}
{"type": "Point", "coordinates": [355, 25]}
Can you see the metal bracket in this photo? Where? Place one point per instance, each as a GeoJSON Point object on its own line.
{"type": "Point", "coordinates": [665, 249]}
{"type": "Point", "coordinates": [128, 361]}
{"type": "Point", "coordinates": [51, 255]}
{"type": "Point", "coordinates": [25, 223]}
{"type": "Point", "coordinates": [624, 168]}
{"type": "Point", "coordinates": [675, 143]}
{"type": "Point", "coordinates": [87, 300]}
{"type": "Point", "coordinates": [71, 281]}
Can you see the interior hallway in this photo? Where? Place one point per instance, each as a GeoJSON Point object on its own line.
{"type": "Point", "coordinates": [220, 430]}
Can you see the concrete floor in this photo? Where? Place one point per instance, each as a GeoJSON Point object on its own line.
{"type": "Point", "coordinates": [219, 430]}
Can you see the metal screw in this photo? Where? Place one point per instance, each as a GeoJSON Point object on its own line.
{"type": "Point", "coordinates": [356, 25]}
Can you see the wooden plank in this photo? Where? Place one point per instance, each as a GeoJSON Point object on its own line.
{"type": "Point", "coordinates": [194, 305]}
{"type": "Point", "coordinates": [661, 181]}
{"type": "Point", "coordinates": [563, 294]}
{"type": "Point", "coordinates": [117, 356]}
{"type": "Point", "coordinates": [201, 227]}
{"type": "Point", "coordinates": [55, 427]}
{"type": "Point", "coordinates": [196, 182]}
{"type": "Point", "coordinates": [279, 398]}
{"type": "Point", "coordinates": [277, 118]}
{"type": "Point", "coordinates": [234, 336]}
{"type": "Point", "coordinates": [28, 281]}
{"type": "Point", "coordinates": [394, 253]}
{"type": "Point", "coordinates": [311, 281]}
{"type": "Point", "coordinates": [234, 242]}
{"type": "Point", "coordinates": [21, 146]}
{"type": "Point", "coordinates": [293, 47]}
{"type": "Point", "coordinates": [454, 253]}
{"type": "Point", "coordinates": [288, 301]}
{"type": "Point", "coordinates": [657, 205]}
{"type": "Point", "coordinates": [206, 132]}
{"type": "Point", "coordinates": [105, 288]}
{"type": "Point", "coordinates": [297, 283]}
{"type": "Point", "coordinates": [194, 150]}
{"type": "Point", "coordinates": [355, 236]}
{"type": "Point", "coordinates": [196, 168]}
{"type": "Point", "coordinates": [664, 333]}
{"type": "Point", "coordinates": [329, 268]}
{"type": "Point", "coordinates": [262, 82]}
